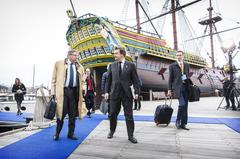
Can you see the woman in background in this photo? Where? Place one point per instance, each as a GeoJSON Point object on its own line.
{"type": "Point", "coordinates": [19, 90]}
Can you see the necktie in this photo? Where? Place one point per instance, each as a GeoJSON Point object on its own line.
{"type": "Point", "coordinates": [71, 75]}
{"type": "Point", "coordinates": [181, 66]}
{"type": "Point", "coordinates": [120, 68]}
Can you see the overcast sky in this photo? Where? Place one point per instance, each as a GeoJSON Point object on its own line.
{"type": "Point", "coordinates": [32, 32]}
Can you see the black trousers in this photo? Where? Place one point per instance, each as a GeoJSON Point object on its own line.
{"type": "Point", "coordinates": [115, 108]}
{"type": "Point", "coordinates": [230, 95]}
{"type": "Point", "coordinates": [70, 108]}
{"type": "Point", "coordinates": [89, 100]}
{"type": "Point", "coordinates": [182, 114]}
{"type": "Point", "coordinates": [137, 104]}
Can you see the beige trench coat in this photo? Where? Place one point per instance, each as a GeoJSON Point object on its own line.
{"type": "Point", "coordinates": [58, 81]}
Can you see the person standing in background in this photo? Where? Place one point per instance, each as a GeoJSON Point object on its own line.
{"type": "Point", "coordinates": [90, 93]}
{"type": "Point", "coordinates": [103, 87]}
{"type": "Point", "coordinates": [228, 93]}
{"type": "Point", "coordinates": [19, 90]}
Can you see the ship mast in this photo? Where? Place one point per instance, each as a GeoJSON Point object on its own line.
{"type": "Point", "coordinates": [211, 32]}
{"type": "Point", "coordinates": [210, 21]}
{"type": "Point", "coordinates": [75, 15]}
{"type": "Point", "coordinates": [137, 17]}
{"type": "Point", "coordinates": [173, 8]}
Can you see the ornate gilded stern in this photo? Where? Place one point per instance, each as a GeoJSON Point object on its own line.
{"type": "Point", "coordinates": [94, 37]}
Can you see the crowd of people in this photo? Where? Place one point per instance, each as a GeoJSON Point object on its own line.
{"type": "Point", "coordinates": [74, 90]}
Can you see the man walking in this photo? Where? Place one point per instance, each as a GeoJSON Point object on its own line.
{"type": "Point", "coordinates": [122, 74]}
{"type": "Point", "coordinates": [178, 84]}
{"type": "Point", "coordinates": [67, 87]}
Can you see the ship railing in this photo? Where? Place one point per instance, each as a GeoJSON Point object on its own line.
{"type": "Point", "coordinates": [88, 15]}
{"type": "Point", "coordinates": [126, 27]}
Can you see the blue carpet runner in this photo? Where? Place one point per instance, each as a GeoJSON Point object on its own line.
{"type": "Point", "coordinates": [41, 144]}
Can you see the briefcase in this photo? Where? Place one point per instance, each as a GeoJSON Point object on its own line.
{"type": "Point", "coordinates": [50, 109]}
{"type": "Point", "coordinates": [193, 92]}
{"type": "Point", "coordinates": [104, 106]}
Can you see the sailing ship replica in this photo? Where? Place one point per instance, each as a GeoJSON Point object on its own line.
{"type": "Point", "coordinates": [95, 37]}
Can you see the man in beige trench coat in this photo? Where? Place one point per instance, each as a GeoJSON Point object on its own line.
{"type": "Point", "coordinates": [68, 82]}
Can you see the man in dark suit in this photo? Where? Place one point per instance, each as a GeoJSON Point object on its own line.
{"type": "Point", "coordinates": [228, 93]}
{"type": "Point", "coordinates": [122, 74]}
{"type": "Point", "coordinates": [178, 84]}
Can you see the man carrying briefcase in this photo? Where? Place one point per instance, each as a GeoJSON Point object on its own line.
{"type": "Point", "coordinates": [67, 87]}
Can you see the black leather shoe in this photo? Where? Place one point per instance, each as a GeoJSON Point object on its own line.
{"type": "Point", "coordinates": [72, 137]}
{"type": "Point", "coordinates": [133, 140]}
{"type": "Point", "coordinates": [184, 128]}
{"type": "Point", "coordinates": [89, 114]}
{"type": "Point", "coordinates": [56, 137]}
{"type": "Point", "coordinates": [110, 135]}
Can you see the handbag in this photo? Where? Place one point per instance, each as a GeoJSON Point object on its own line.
{"type": "Point", "coordinates": [50, 109]}
{"type": "Point", "coordinates": [193, 92]}
{"type": "Point", "coordinates": [104, 106]}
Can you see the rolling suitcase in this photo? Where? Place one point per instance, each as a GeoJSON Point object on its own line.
{"type": "Point", "coordinates": [163, 113]}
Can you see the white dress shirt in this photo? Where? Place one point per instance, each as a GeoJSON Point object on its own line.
{"type": "Point", "coordinates": [68, 74]}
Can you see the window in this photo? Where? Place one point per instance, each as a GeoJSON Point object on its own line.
{"type": "Point", "coordinates": [87, 53]}
{"type": "Point", "coordinates": [85, 32]}
{"type": "Point", "coordinates": [98, 28]}
{"type": "Point", "coordinates": [100, 50]}
{"type": "Point", "coordinates": [93, 51]}
{"type": "Point", "coordinates": [80, 35]}
{"type": "Point", "coordinates": [73, 39]}
{"type": "Point", "coordinates": [91, 30]}
{"type": "Point", "coordinates": [106, 49]}
{"type": "Point", "coordinates": [82, 54]}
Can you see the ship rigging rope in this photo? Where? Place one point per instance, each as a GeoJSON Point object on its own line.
{"type": "Point", "coordinates": [186, 32]}
{"type": "Point", "coordinates": [161, 21]}
{"type": "Point", "coordinates": [124, 12]}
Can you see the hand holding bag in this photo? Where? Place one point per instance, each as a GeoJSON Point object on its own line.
{"type": "Point", "coordinates": [104, 106]}
{"type": "Point", "coordinates": [193, 92]}
{"type": "Point", "coordinates": [50, 109]}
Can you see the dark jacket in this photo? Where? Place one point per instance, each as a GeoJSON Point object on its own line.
{"type": "Point", "coordinates": [93, 84]}
{"type": "Point", "coordinates": [104, 82]}
{"type": "Point", "coordinates": [128, 77]}
{"type": "Point", "coordinates": [227, 87]}
{"type": "Point", "coordinates": [19, 96]}
{"type": "Point", "coordinates": [175, 80]}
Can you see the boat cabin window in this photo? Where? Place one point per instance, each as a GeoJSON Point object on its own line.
{"type": "Point", "coordinates": [91, 31]}
{"type": "Point", "coordinates": [80, 34]}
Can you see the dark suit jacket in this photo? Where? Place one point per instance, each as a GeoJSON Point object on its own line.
{"type": "Point", "coordinates": [104, 82]}
{"type": "Point", "coordinates": [175, 80]}
{"type": "Point", "coordinates": [128, 77]}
